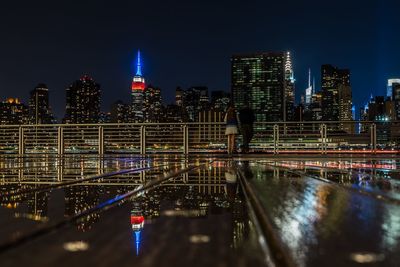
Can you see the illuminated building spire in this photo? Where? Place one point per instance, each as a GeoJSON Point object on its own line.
{"type": "Point", "coordinates": [138, 65]}
{"type": "Point", "coordinates": [138, 82]}
{"type": "Point", "coordinates": [309, 89]}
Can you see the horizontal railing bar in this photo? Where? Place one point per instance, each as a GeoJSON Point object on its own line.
{"type": "Point", "coordinates": [156, 124]}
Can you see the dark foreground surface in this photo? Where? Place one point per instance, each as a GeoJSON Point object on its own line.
{"type": "Point", "coordinates": [173, 211]}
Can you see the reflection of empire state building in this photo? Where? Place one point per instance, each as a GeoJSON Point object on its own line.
{"type": "Point", "coordinates": [138, 85]}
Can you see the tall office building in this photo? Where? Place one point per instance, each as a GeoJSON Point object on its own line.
{"type": "Point", "coordinates": [389, 88]}
{"type": "Point", "coordinates": [13, 112]}
{"type": "Point", "coordinates": [313, 111]}
{"type": "Point", "coordinates": [137, 88]}
{"type": "Point", "coordinates": [195, 99]}
{"type": "Point", "coordinates": [309, 91]}
{"type": "Point", "coordinates": [336, 93]}
{"type": "Point", "coordinates": [173, 113]}
{"type": "Point", "coordinates": [346, 108]}
{"type": "Point", "coordinates": [264, 82]}
{"type": "Point", "coordinates": [39, 107]}
{"type": "Point", "coordinates": [289, 95]}
{"type": "Point", "coordinates": [120, 112]}
{"type": "Point", "coordinates": [378, 110]}
{"type": "Point", "coordinates": [152, 104]}
{"type": "Point", "coordinates": [396, 100]}
{"type": "Point", "coordinates": [83, 101]}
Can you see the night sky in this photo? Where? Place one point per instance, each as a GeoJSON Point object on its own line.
{"type": "Point", "coordinates": [189, 43]}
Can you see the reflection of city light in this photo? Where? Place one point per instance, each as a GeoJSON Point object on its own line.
{"type": "Point", "coordinates": [10, 205]}
{"type": "Point", "coordinates": [337, 165]}
{"type": "Point", "coordinates": [137, 222]}
{"type": "Point", "coordinates": [137, 241]}
{"type": "Point", "coordinates": [184, 213]}
{"type": "Point", "coordinates": [76, 246]}
{"type": "Point", "coordinates": [33, 217]}
{"type": "Point", "coordinates": [196, 239]}
{"type": "Point", "coordinates": [366, 257]}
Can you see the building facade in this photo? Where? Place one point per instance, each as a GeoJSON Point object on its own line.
{"type": "Point", "coordinates": [264, 82]}
{"type": "Point", "coordinates": [152, 105]}
{"type": "Point", "coordinates": [39, 106]}
{"type": "Point", "coordinates": [336, 93]}
{"type": "Point", "coordinates": [396, 101]}
{"type": "Point", "coordinates": [389, 87]}
{"type": "Point", "coordinates": [120, 112]}
{"type": "Point", "coordinates": [13, 112]}
{"type": "Point", "coordinates": [83, 101]}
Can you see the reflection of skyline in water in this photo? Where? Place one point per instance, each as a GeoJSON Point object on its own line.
{"type": "Point", "coordinates": [79, 199]}
{"type": "Point", "coordinates": [199, 191]}
{"type": "Point", "coordinates": [137, 237]}
{"type": "Point", "coordinates": [311, 216]}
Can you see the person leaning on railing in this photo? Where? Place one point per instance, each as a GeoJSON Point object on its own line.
{"type": "Point", "coordinates": [232, 121]}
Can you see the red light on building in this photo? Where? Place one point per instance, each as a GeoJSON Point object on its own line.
{"type": "Point", "coordinates": [135, 220]}
{"type": "Point", "coordinates": [138, 85]}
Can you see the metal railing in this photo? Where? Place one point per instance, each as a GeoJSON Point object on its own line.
{"type": "Point", "coordinates": [147, 138]}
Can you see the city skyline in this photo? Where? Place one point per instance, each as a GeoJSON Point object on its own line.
{"type": "Point", "coordinates": [191, 44]}
{"type": "Point", "coordinates": [300, 91]}
{"type": "Point", "coordinates": [139, 89]}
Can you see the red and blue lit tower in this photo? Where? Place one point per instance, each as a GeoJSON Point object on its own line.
{"type": "Point", "coordinates": [137, 90]}
{"type": "Point", "coordinates": [138, 82]}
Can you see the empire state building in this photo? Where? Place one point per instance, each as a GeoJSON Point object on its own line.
{"type": "Point", "coordinates": [137, 89]}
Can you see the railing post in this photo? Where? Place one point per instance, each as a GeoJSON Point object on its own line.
{"type": "Point", "coordinates": [323, 131]}
{"type": "Point", "coordinates": [373, 137]}
{"type": "Point", "coordinates": [21, 141]}
{"type": "Point", "coordinates": [60, 140]}
{"type": "Point", "coordinates": [276, 138]}
{"type": "Point", "coordinates": [60, 169]}
{"type": "Point", "coordinates": [101, 140]}
{"type": "Point", "coordinates": [142, 140]}
{"type": "Point", "coordinates": [185, 139]}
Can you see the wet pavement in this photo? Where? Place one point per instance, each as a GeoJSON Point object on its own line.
{"type": "Point", "coordinates": [195, 217]}
{"type": "Point", "coordinates": [176, 211]}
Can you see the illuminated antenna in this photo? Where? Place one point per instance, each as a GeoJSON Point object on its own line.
{"type": "Point", "coordinates": [138, 65]}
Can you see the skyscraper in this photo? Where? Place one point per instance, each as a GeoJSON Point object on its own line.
{"type": "Point", "coordinates": [120, 112]}
{"type": "Point", "coordinates": [289, 96]}
{"type": "Point", "coordinates": [195, 99]}
{"type": "Point", "coordinates": [12, 111]}
{"type": "Point", "coordinates": [336, 93]}
{"type": "Point", "coordinates": [309, 91]}
{"type": "Point", "coordinates": [39, 107]}
{"type": "Point", "coordinates": [83, 101]}
{"type": "Point", "coordinates": [389, 88]}
{"type": "Point", "coordinates": [396, 100]}
{"type": "Point", "coordinates": [137, 88]}
{"type": "Point", "coordinates": [262, 82]}
{"type": "Point", "coordinates": [346, 108]}
{"type": "Point", "coordinates": [152, 104]}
